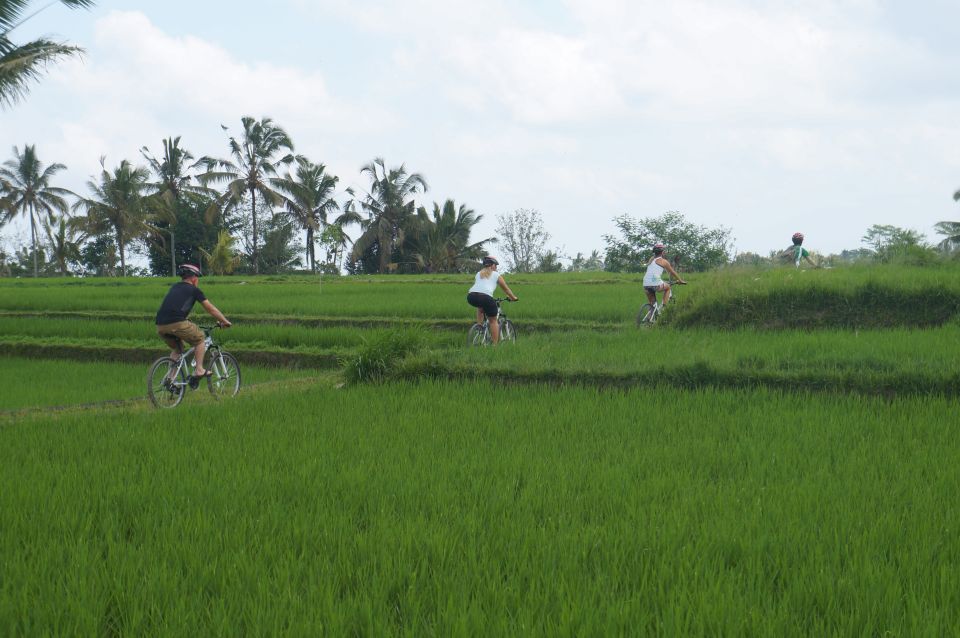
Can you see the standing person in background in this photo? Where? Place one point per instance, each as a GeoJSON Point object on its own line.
{"type": "Point", "coordinates": [797, 252]}
{"type": "Point", "coordinates": [172, 324]}
{"type": "Point", "coordinates": [480, 295]}
{"type": "Point", "coordinates": [653, 279]}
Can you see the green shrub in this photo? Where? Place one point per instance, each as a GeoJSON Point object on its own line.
{"type": "Point", "coordinates": [379, 356]}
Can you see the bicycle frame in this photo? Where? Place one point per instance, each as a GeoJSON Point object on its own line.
{"type": "Point", "coordinates": [212, 348]}
{"type": "Point", "coordinates": [502, 319]}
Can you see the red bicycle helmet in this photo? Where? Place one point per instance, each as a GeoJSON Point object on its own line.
{"type": "Point", "coordinates": [490, 260]}
{"type": "Point", "coordinates": [797, 238]}
{"type": "Point", "coordinates": [658, 248]}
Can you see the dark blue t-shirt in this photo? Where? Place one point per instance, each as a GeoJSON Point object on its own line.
{"type": "Point", "coordinates": [178, 303]}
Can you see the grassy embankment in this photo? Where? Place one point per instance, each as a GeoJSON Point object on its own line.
{"type": "Point", "coordinates": [35, 383]}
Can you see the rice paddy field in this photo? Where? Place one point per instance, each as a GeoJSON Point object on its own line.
{"type": "Point", "coordinates": [777, 458]}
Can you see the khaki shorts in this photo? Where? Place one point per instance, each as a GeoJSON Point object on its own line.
{"type": "Point", "coordinates": [172, 333]}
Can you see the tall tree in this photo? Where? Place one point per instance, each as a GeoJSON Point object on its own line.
{"type": "Point", "coordinates": [27, 191]}
{"type": "Point", "coordinates": [24, 63]}
{"type": "Point", "coordinates": [523, 238]}
{"type": "Point", "coordinates": [177, 200]}
{"type": "Point", "coordinates": [173, 181]}
{"type": "Point", "coordinates": [259, 152]}
{"type": "Point", "coordinates": [951, 230]}
{"type": "Point", "coordinates": [441, 241]}
{"type": "Point", "coordinates": [65, 243]}
{"type": "Point", "coordinates": [696, 247]}
{"type": "Point", "coordinates": [118, 205]}
{"type": "Point", "coordinates": [309, 200]}
{"type": "Point", "coordinates": [389, 205]}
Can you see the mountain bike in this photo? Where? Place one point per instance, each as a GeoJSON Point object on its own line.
{"type": "Point", "coordinates": [169, 378]}
{"type": "Point", "coordinates": [479, 334]}
{"type": "Point", "coordinates": [650, 312]}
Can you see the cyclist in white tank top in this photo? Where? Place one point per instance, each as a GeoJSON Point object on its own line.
{"type": "Point", "coordinates": [652, 281]}
{"type": "Point", "coordinates": [480, 295]}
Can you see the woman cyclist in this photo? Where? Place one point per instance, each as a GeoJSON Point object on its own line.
{"type": "Point", "coordinates": [652, 281]}
{"type": "Point", "coordinates": [480, 296]}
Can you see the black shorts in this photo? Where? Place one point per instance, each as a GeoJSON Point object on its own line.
{"type": "Point", "coordinates": [480, 300]}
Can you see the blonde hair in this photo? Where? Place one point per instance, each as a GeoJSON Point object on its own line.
{"type": "Point", "coordinates": [486, 272]}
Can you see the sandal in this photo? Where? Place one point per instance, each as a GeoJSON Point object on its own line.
{"type": "Point", "coordinates": [206, 374]}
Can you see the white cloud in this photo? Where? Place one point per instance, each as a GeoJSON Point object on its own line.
{"type": "Point", "coordinates": [140, 67]}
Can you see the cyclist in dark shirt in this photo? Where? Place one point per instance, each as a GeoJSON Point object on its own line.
{"type": "Point", "coordinates": [172, 324]}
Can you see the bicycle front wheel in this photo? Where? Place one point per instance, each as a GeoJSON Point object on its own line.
{"type": "Point", "coordinates": [476, 335]}
{"type": "Point", "coordinates": [166, 383]}
{"type": "Point", "coordinates": [225, 380]}
{"type": "Point", "coordinates": [507, 331]}
{"type": "Point", "coordinates": [647, 315]}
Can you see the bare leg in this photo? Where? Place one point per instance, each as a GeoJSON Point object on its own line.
{"type": "Point", "coordinates": [479, 316]}
{"type": "Point", "coordinates": [495, 330]}
{"type": "Point", "coordinates": [651, 296]}
{"type": "Point", "coordinates": [666, 295]}
{"type": "Point", "coordinates": [198, 353]}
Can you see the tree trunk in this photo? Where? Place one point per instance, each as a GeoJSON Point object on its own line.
{"type": "Point", "coordinates": [384, 252]}
{"type": "Point", "coordinates": [253, 211]}
{"type": "Point", "coordinates": [123, 259]}
{"type": "Point", "coordinates": [310, 255]}
{"type": "Point", "coordinates": [33, 238]}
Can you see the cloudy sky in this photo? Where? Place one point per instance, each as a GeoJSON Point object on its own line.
{"type": "Point", "coordinates": [765, 116]}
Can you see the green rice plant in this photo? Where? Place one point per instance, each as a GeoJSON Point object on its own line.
{"type": "Point", "coordinates": [479, 508]}
{"type": "Point", "coordinates": [379, 356]}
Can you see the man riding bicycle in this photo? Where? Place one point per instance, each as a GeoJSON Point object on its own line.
{"type": "Point", "coordinates": [797, 252]}
{"type": "Point", "coordinates": [172, 324]}
{"type": "Point", "coordinates": [652, 279]}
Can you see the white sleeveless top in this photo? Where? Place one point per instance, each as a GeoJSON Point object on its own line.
{"type": "Point", "coordinates": [653, 274]}
{"type": "Point", "coordinates": [486, 286]}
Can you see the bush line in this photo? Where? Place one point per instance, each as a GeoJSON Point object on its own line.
{"type": "Point", "coordinates": [697, 376]}
{"type": "Point", "coordinates": [265, 358]}
{"type": "Point", "coordinates": [869, 305]}
{"type": "Point", "coordinates": [529, 325]}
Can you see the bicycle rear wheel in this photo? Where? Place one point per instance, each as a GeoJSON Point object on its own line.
{"type": "Point", "coordinates": [225, 380]}
{"type": "Point", "coordinates": [507, 331]}
{"type": "Point", "coordinates": [166, 383]}
{"type": "Point", "coordinates": [475, 336]}
{"type": "Point", "coordinates": [647, 315]}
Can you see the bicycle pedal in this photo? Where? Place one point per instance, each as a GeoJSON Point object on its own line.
{"type": "Point", "coordinates": [194, 383]}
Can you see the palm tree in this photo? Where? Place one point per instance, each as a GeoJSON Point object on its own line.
{"type": "Point", "coordinates": [22, 64]}
{"type": "Point", "coordinates": [256, 157]}
{"type": "Point", "coordinates": [950, 229]}
{"type": "Point", "coordinates": [221, 260]}
{"type": "Point", "coordinates": [952, 232]}
{"type": "Point", "coordinates": [442, 243]}
{"type": "Point", "coordinates": [309, 200]}
{"type": "Point", "coordinates": [64, 242]}
{"type": "Point", "coordinates": [27, 191]}
{"type": "Point", "coordinates": [173, 185]}
{"type": "Point", "coordinates": [389, 206]}
{"type": "Point", "coordinates": [119, 205]}
{"type": "Point", "coordinates": [173, 182]}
